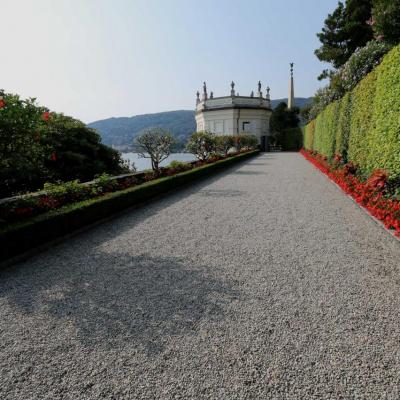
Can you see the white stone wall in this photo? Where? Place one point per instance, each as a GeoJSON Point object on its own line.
{"type": "Point", "coordinates": [235, 121]}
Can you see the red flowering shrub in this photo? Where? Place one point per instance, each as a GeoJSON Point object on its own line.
{"type": "Point", "coordinates": [47, 203]}
{"type": "Point", "coordinates": [371, 194]}
{"type": "Point", "coordinates": [46, 116]}
{"type": "Point", "coordinates": [2, 103]}
{"type": "Point", "coordinates": [378, 179]}
{"type": "Point", "coordinates": [337, 159]}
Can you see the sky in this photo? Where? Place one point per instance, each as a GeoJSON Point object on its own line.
{"type": "Point", "coordinates": [95, 59]}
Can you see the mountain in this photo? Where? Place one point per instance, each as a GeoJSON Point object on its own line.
{"type": "Point", "coordinates": [298, 101]}
{"type": "Point", "coordinates": [120, 132]}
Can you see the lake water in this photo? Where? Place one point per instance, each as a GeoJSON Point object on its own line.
{"type": "Point", "coordinates": [145, 163]}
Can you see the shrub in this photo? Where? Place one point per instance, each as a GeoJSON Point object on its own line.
{"type": "Point", "coordinates": [202, 145]}
{"type": "Point", "coordinates": [386, 20]}
{"type": "Point", "coordinates": [179, 165]}
{"type": "Point", "coordinates": [245, 141]}
{"type": "Point", "coordinates": [250, 142]}
{"type": "Point", "coordinates": [156, 144]}
{"type": "Point", "coordinates": [66, 191]}
{"type": "Point", "coordinates": [104, 183]}
{"type": "Point", "coordinates": [361, 62]}
{"type": "Point", "coordinates": [224, 143]}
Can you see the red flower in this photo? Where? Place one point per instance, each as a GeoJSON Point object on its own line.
{"type": "Point", "coordinates": [53, 156]}
{"type": "Point", "coordinates": [45, 116]}
{"type": "Point", "coordinates": [369, 194]}
{"type": "Point", "coordinates": [2, 103]}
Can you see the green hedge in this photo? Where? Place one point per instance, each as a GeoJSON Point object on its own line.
{"type": "Point", "coordinates": [364, 126]}
{"type": "Point", "coordinates": [343, 126]}
{"type": "Point", "coordinates": [18, 238]}
{"type": "Point", "coordinates": [291, 139]}
{"type": "Point", "coordinates": [308, 138]}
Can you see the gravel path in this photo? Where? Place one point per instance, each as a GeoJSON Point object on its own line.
{"type": "Point", "coordinates": [263, 282]}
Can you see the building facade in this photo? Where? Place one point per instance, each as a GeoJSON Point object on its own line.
{"type": "Point", "coordinates": [234, 114]}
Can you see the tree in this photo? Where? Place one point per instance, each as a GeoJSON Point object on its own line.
{"type": "Point", "coordinates": [224, 143]}
{"type": "Point", "coordinates": [77, 151]}
{"type": "Point", "coordinates": [37, 146]}
{"type": "Point", "coordinates": [202, 145]}
{"type": "Point", "coordinates": [282, 124]}
{"type": "Point", "coordinates": [245, 141]}
{"type": "Point", "coordinates": [22, 153]}
{"type": "Point", "coordinates": [386, 20]}
{"type": "Point", "coordinates": [345, 30]}
{"type": "Point", "coordinates": [283, 118]}
{"type": "Point", "coordinates": [155, 143]}
{"type": "Point", "coordinates": [251, 142]}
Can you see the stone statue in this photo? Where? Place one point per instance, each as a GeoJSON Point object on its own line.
{"type": "Point", "coordinates": [252, 94]}
{"type": "Point", "coordinates": [259, 86]}
{"type": "Point", "coordinates": [233, 89]}
{"type": "Point", "coordinates": [211, 95]}
{"type": "Point", "coordinates": [204, 88]}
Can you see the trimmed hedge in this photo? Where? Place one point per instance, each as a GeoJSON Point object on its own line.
{"type": "Point", "coordinates": [343, 126]}
{"type": "Point", "coordinates": [364, 126]}
{"type": "Point", "coordinates": [291, 139]}
{"type": "Point", "coordinates": [18, 238]}
{"type": "Point", "coordinates": [308, 135]}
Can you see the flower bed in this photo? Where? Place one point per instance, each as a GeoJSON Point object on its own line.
{"type": "Point", "coordinates": [55, 196]}
{"type": "Point", "coordinates": [37, 230]}
{"type": "Point", "coordinates": [374, 193]}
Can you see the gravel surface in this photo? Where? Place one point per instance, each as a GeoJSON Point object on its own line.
{"type": "Point", "coordinates": [263, 282]}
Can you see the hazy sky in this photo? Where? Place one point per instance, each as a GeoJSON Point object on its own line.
{"type": "Point", "coordinates": [95, 59]}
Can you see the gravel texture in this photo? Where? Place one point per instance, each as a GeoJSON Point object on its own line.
{"type": "Point", "coordinates": [262, 282]}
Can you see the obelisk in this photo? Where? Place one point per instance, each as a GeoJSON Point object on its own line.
{"type": "Point", "coordinates": [291, 89]}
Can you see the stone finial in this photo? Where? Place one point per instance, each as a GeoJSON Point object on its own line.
{"type": "Point", "coordinates": [211, 95]}
{"type": "Point", "coordinates": [268, 90]}
{"type": "Point", "coordinates": [291, 69]}
{"type": "Point", "coordinates": [204, 91]}
{"type": "Point", "coordinates": [232, 89]}
{"type": "Point", "coordinates": [252, 94]}
{"type": "Point", "coordinates": [197, 97]}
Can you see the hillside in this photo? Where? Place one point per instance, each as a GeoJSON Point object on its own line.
{"type": "Point", "coordinates": [298, 101]}
{"type": "Point", "coordinates": [120, 132]}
